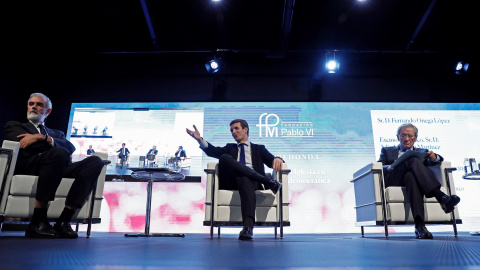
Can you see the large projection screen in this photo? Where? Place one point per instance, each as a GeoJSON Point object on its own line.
{"type": "Point", "coordinates": [323, 144]}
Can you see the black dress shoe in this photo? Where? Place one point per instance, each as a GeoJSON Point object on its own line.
{"type": "Point", "coordinates": [448, 202]}
{"type": "Point", "coordinates": [246, 234]}
{"type": "Point", "coordinates": [43, 230]}
{"type": "Point", "coordinates": [64, 230]}
{"type": "Point", "coordinates": [423, 233]}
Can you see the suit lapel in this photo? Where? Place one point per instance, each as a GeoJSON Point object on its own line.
{"type": "Point", "coordinates": [32, 128]}
{"type": "Point", "coordinates": [235, 151]}
{"type": "Point", "coordinates": [252, 150]}
{"type": "Point", "coordinates": [395, 154]}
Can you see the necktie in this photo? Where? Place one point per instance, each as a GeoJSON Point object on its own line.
{"type": "Point", "coordinates": [42, 129]}
{"type": "Point", "coordinates": [242, 154]}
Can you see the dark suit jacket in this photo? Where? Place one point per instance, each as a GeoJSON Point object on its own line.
{"type": "Point", "coordinates": [390, 154]}
{"type": "Point", "coordinates": [151, 152]}
{"type": "Point", "coordinates": [260, 155]}
{"type": "Point", "coordinates": [120, 155]}
{"type": "Point", "coordinates": [13, 129]}
{"type": "Point", "coordinates": [182, 154]}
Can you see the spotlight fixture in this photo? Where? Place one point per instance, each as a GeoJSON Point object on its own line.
{"type": "Point", "coordinates": [214, 65]}
{"type": "Point", "coordinates": [331, 65]}
{"type": "Point", "coordinates": [461, 67]}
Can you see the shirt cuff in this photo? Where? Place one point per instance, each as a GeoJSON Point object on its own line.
{"type": "Point", "coordinates": [203, 144]}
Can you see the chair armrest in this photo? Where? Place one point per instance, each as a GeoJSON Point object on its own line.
{"type": "Point", "coordinates": [209, 171]}
{"type": "Point", "coordinates": [5, 166]}
{"type": "Point", "coordinates": [368, 185]}
{"type": "Point", "coordinates": [374, 167]}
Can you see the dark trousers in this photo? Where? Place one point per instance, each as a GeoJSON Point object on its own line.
{"type": "Point", "coordinates": [417, 179]}
{"type": "Point", "coordinates": [52, 165]}
{"type": "Point", "coordinates": [236, 176]}
{"type": "Point", "coordinates": [122, 158]}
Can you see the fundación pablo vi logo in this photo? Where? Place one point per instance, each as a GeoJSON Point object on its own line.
{"type": "Point", "coordinates": [270, 126]}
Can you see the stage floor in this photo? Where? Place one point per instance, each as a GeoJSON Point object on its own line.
{"type": "Point", "coordinates": [197, 251]}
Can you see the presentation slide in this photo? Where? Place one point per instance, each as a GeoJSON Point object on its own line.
{"type": "Point", "coordinates": [322, 143]}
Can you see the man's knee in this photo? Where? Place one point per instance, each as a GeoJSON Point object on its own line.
{"type": "Point", "coordinates": [414, 162]}
{"type": "Point", "coordinates": [95, 161]}
{"type": "Point", "coordinates": [225, 158]}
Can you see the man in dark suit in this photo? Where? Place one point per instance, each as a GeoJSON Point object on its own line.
{"type": "Point", "coordinates": [152, 155]}
{"type": "Point", "coordinates": [123, 154]}
{"type": "Point", "coordinates": [180, 155]}
{"type": "Point", "coordinates": [90, 151]}
{"type": "Point", "coordinates": [241, 167]}
{"type": "Point", "coordinates": [415, 176]}
{"type": "Point", "coordinates": [46, 152]}
{"type": "Point", "coordinates": [153, 151]}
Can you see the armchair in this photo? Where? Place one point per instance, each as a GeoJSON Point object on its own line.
{"type": "Point", "coordinates": [17, 192]}
{"type": "Point", "coordinates": [224, 205]}
{"type": "Point", "coordinates": [379, 206]}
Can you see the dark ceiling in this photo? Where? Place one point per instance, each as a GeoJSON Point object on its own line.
{"type": "Point", "coordinates": [60, 28]}
{"type": "Point", "coordinates": [92, 48]}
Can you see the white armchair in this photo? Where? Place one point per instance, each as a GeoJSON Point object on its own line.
{"type": "Point", "coordinates": [224, 205]}
{"type": "Point", "coordinates": [17, 192]}
{"type": "Point", "coordinates": [377, 206]}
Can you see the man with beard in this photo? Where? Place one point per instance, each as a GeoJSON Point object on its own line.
{"type": "Point", "coordinates": [47, 153]}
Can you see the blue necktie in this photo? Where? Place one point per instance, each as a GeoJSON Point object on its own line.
{"type": "Point", "coordinates": [242, 154]}
{"type": "Point", "coordinates": [42, 129]}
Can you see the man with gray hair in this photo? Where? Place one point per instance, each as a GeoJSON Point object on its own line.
{"type": "Point", "coordinates": [415, 177]}
{"type": "Point", "coordinates": [46, 152]}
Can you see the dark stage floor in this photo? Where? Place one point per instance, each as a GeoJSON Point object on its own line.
{"type": "Point", "coordinates": [197, 251]}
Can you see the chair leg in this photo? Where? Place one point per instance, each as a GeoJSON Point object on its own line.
{"type": "Point", "coordinates": [218, 231]}
{"type": "Point", "coordinates": [454, 219]}
{"type": "Point", "coordinates": [90, 214]}
{"type": "Point", "coordinates": [76, 227]}
{"type": "Point", "coordinates": [275, 231]}
{"type": "Point", "coordinates": [363, 232]}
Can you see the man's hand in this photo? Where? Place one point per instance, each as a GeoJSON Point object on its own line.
{"type": "Point", "coordinates": [27, 139]}
{"type": "Point", "coordinates": [277, 164]}
{"type": "Point", "coordinates": [432, 156]}
{"type": "Point", "coordinates": [195, 134]}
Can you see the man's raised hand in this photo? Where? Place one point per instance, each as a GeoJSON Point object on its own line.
{"type": "Point", "coordinates": [195, 134]}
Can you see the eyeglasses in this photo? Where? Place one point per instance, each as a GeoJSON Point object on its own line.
{"type": "Point", "coordinates": [410, 136]}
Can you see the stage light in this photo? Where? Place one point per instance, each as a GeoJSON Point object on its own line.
{"type": "Point", "coordinates": [461, 67]}
{"type": "Point", "coordinates": [331, 64]}
{"type": "Point", "coordinates": [214, 65]}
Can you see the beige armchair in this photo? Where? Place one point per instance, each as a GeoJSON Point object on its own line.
{"type": "Point", "coordinates": [377, 206]}
{"type": "Point", "coordinates": [17, 192]}
{"type": "Point", "coordinates": [224, 205]}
